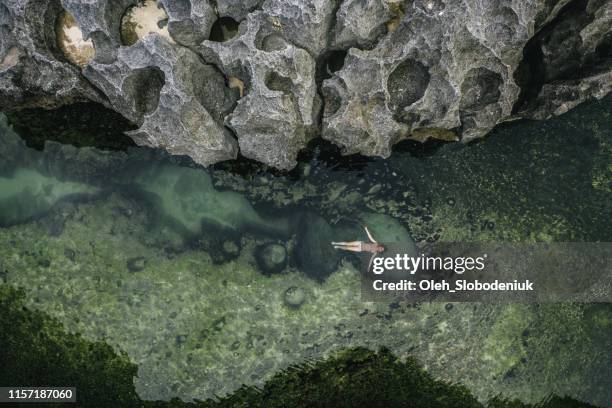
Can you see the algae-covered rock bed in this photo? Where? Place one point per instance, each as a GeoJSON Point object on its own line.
{"type": "Point", "coordinates": [202, 281]}
{"type": "Point", "coordinates": [366, 376]}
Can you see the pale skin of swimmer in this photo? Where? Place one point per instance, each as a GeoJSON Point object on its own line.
{"type": "Point", "coordinates": [372, 247]}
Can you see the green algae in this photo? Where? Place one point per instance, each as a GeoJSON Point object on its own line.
{"type": "Point", "coordinates": [503, 348]}
{"type": "Point", "coordinates": [527, 182]}
{"type": "Point", "coordinates": [38, 351]}
{"type": "Point", "coordinates": [197, 328]}
{"type": "Point", "coordinates": [35, 350]}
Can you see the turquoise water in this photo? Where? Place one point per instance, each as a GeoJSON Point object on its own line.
{"type": "Point", "coordinates": [213, 278]}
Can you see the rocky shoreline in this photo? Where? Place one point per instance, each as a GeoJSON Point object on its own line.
{"type": "Point", "coordinates": [263, 77]}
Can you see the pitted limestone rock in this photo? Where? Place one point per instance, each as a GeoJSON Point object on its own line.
{"type": "Point", "coordinates": [386, 69]}
{"type": "Point", "coordinates": [33, 69]}
{"type": "Point", "coordinates": [305, 23]}
{"type": "Point", "coordinates": [455, 66]}
{"type": "Point", "coordinates": [179, 101]}
{"type": "Point", "coordinates": [572, 61]}
{"type": "Point", "coordinates": [440, 68]}
{"type": "Point", "coordinates": [279, 110]}
{"type": "Point", "coordinates": [362, 23]}
{"type": "Point", "coordinates": [189, 21]}
{"type": "Point", "coordinates": [237, 9]}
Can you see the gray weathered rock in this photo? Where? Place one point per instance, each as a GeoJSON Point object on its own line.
{"type": "Point", "coordinates": [279, 110]}
{"type": "Point", "coordinates": [199, 84]}
{"type": "Point", "coordinates": [189, 22]}
{"type": "Point", "coordinates": [572, 61]}
{"type": "Point", "coordinates": [179, 101]}
{"type": "Point", "coordinates": [361, 23]}
{"type": "Point", "coordinates": [447, 65]}
{"type": "Point", "coordinates": [453, 66]}
{"type": "Point", "coordinates": [33, 72]}
{"type": "Point", "coordinates": [305, 23]}
{"type": "Point", "coordinates": [237, 9]}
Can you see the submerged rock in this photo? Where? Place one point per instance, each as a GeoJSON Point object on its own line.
{"type": "Point", "coordinates": [313, 251]}
{"type": "Point", "coordinates": [136, 264]}
{"type": "Point", "coordinates": [230, 249]}
{"type": "Point", "coordinates": [28, 193]}
{"type": "Point", "coordinates": [187, 199]}
{"type": "Point", "coordinates": [294, 297]}
{"type": "Point", "coordinates": [271, 258]}
{"type": "Point", "coordinates": [205, 79]}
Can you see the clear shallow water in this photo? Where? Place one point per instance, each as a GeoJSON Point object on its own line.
{"type": "Point", "coordinates": [159, 258]}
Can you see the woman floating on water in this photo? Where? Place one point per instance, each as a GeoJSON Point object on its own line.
{"type": "Point", "coordinates": [372, 247]}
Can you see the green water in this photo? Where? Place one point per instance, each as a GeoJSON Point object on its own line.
{"type": "Point", "coordinates": [159, 258]}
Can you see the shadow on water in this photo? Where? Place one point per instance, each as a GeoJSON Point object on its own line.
{"type": "Point", "coordinates": [78, 124]}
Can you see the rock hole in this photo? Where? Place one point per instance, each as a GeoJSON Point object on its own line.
{"type": "Point", "coordinates": [224, 29]}
{"type": "Point", "coordinates": [144, 85]}
{"type": "Point", "coordinates": [406, 85]}
{"type": "Point", "coordinates": [552, 53]}
{"type": "Point", "coordinates": [335, 62]}
{"type": "Point", "coordinates": [212, 92]}
{"type": "Point", "coordinates": [189, 23]}
{"type": "Point", "coordinates": [604, 49]}
{"type": "Point", "coordinates": [144, 18]}
{"type": "Point", "coordinates": [276, 82]}
{"type": "Point", "coordinates": [268, 39]}
{"type": "Point", "coordinates": [479, 89]}
{"type": "Point", "coordinates": [273, 42]}
{"type": "Point", "coordinates": [71, 41]}
{"type": "Point", "coordinates": [329, 63]}
{"type": "Point", "coordinates": [332, 99]}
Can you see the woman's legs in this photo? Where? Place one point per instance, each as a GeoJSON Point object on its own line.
{"type": "Point", "coordinates": [354, 246]}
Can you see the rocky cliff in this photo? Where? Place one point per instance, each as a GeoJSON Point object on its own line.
{"type": "Point", "coordinates": [210, 79]}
